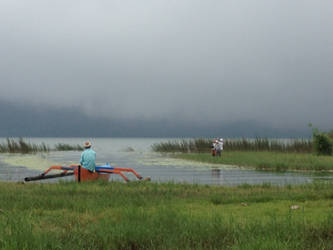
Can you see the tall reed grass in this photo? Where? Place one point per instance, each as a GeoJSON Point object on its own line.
{"type": "Point", "coordinates": [21, 146]}
{"type": "Point", "coordinates": [67, 147]}
{"type": "Point", "coordinates": [203, 145]}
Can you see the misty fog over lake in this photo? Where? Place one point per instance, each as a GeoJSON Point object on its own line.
{"type": "Point", "coordinates": [165, 68]}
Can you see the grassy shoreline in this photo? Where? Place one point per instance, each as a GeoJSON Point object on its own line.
{"type": "Point", "coordinates": [273, 161]}
{"type": "Point", "coordinates": [165, 216]}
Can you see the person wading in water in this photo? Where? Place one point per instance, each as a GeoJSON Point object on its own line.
{"type": "Point", "coordinates": [219, 147]}
{"type": "Point", "coordinates": [213, 147]}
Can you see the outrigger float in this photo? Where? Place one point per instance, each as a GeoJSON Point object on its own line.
{"type": "Point", "coordinates": [82, 174]}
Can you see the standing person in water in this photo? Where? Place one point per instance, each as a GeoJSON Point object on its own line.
{"type": "Point", "coordinates": [219, 147]}
{"type": "Point", "coordinates": [88, 157]}
{"type": "Point", "coordinates": [213, 147]}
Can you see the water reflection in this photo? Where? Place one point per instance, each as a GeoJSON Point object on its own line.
{"type": "Point", "coordinates": [217, 178]}
{"type": "Point", "coordinates": [216, 172]}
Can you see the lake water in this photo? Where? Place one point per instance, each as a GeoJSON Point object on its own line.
{"type": "Point", "coordinates": [14, 167]}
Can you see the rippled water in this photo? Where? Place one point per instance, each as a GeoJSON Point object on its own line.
{"type": "Point", "coordinates": [14, 167]}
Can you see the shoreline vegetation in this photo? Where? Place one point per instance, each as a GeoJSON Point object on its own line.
{"type": "Point", "coordinates": [203, 145]}
{"type": "Point", "coordinates": [271, 161]}
{"type": "Point", "coordinates": [141, 215]}
{"type": "Point", "coordinates": [259, 153]}
{"type": "Point", "coordinates": [21, 146]}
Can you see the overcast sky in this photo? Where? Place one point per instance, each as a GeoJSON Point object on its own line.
{"type": "Point", "coordinates": [197, 60]}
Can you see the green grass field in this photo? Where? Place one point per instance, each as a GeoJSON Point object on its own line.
{"type": "Point", "coordinates": [144, 215]}
{"type": "Point", "coordinates": [275, 161]}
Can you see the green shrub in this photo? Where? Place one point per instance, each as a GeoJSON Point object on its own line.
{"type": "Point", "coordinates": [322, 144]}
{"type": "Point", "coordinates": [330, 134]}
{"type": "Point", "coordinates": [216, 199]}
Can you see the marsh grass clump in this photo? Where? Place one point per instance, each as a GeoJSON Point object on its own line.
{"type": "Point", "coordinates": [216, 199]}
{"type": "Point", "coordinates": [269, 145]}
{"type": "Point", "coordinates": [21, 146]}
{"type": "Point", "coordinates": [199, 145]}
{"type": "Point", "coordinates": [68, 147]}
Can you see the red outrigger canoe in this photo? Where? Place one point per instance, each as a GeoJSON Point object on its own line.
{"type": "Point", "coordinates": [82, 174]}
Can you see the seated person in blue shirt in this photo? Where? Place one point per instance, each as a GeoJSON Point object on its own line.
{"type": "Point", "coordinates": [88, 157]}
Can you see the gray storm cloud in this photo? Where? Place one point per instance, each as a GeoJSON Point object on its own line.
{"type": "Point", "coordinates": [266, 60]}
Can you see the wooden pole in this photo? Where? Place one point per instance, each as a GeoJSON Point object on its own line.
{"type": "Point", "coordinates": [79, 174]}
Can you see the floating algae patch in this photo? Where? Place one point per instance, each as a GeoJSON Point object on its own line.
{"type": "Point", "coordinates": [153, 159]}
{"type": "Point", "coordinates": [35, 162]}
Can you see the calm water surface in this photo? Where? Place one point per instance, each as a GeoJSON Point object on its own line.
{"type": "Point", "coordinates": [117, 152]}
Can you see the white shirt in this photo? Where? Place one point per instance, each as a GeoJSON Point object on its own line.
{"type": "Point", "coordinates": [219, 145]}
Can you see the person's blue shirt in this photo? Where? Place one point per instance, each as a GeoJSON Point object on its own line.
{"type": "Point", "coordinates": [88, 158]}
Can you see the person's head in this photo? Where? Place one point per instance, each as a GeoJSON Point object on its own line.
{"type": "Point", "coordinates": [87, 144]}
{"type": "Point", "coordinates": [221, 139]}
